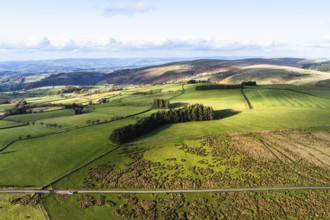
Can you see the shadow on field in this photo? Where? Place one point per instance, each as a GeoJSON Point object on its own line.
{"type": "Point", "coordinates": [178, 105]}
{"type": "Point", "coordinates": [225, 113]}
{"type": "Point", "coordinates": [154, 132]}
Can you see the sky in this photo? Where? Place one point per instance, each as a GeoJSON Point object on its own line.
{"type": "Point", "coordinates": [51, 29]}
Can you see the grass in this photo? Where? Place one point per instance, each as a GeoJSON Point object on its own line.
{"type": "Point", "coordinates": [39, 161]}
{"type": "Point", "coordinates": [40, 116]}
{"type": "Point", "coordinates": [250, 205]}
{"type": "Point", "coordinates": [159, 151]}
{"type": "Point", "coordinates": [265, 119]}
{"type": "Point", "coordinates": [218, 99]}
{"type": "Point", "coordinates": [12, 134]}
{"type": "Point", "coordinates": [101, 114]}
{"type": "Point", "coordinates": [279, 99]}
{"type": "Point", "coordinates": [17, 212]}
{"type": "Point", "coordinates": [6, 106]}
{"type": "Point", "coordinates": [5, 124]}
{"type": "Point", "coordinates": [258, 119]}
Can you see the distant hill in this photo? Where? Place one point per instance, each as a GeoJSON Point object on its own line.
{"type": "Point", "coordinates": [71, 78]}
{"type": "Point", "coordinates": [265, 71]}
{"type": "Point", "coordinates": [321, 66]}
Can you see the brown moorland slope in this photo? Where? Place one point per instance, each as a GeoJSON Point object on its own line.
{"type": "Point", "coordinates": [266, 71]}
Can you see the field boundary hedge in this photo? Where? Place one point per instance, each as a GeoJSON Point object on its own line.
{"type": "Point", "coordinates": [246, 99]}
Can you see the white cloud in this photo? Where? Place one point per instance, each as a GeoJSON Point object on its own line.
{"type": "Point", "coordinates": [168, 47]}
{"type": "Point", "coordinates": [323, 43]}
{"type": "Point", "coordinates": [128, 7]}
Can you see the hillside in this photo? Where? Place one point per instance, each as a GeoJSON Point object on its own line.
{"type": "Point", "coordinates": [71, 78]}
{"type": "Point", "coordinates": [264, 71]}
{"type": "Point", "coordinates": [320, 66]}
{"type": "Point", "coordinates": [197, 69]}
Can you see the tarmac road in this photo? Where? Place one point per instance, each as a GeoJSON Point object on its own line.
{"type": "Point", "coordinates": [66, 192]}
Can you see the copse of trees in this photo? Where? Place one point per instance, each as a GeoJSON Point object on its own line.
{"type": "Point", "coordinates": [78, 109]}
{"type": "Point", "coordinates": [22, 107]}
{"type": "Point", "coordinates": [161, 103]}
{"type": "Point", "coordinates": [249, 83]}
{"type": "Point", "coordinates": [192, 81]}
{"type": "Point", "coordinates": [71, 89]}
{"type": "Point", "coordinates": [103, 100]}
{"type": "Point", "coordinates": [195, 112]}
{"type": "Point", "coordinates": [217, 86]}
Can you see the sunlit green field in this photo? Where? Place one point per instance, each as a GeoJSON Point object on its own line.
{"type": "Point", "coordinates": [38, 161]}
{"type": "Point", "coordinates": [40, 154]}
{"type": "Point", "coordinates": [24, 132]}
{"type": "Point", "coordinates": [15, 212]}
{"type": "Point", "coordinates": [285, 99]}
{"type": "Point", "coordinates": [55, 154]}
{"type": "Point", "coordinates": [6, 124]}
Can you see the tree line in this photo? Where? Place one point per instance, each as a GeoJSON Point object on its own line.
{"type": "Point", "coordinates": [196, 112]}
{"type": "Point", "coordinates": [217, 86]}
{"type": "Point", "coordinates": [22, 107]}
{"type": "Point", "coordinates": [222, 86]}
{"type": "Point", "coordinates": [249, 83]}
{"type": "Point", "coordinates": [161, 103]}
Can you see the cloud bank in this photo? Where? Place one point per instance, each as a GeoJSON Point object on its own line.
{"type": "Point", "coordinates": [172, 47]}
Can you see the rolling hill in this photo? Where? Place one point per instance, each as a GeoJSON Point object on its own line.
{"type": "Point", "coordinates": [264, 71]}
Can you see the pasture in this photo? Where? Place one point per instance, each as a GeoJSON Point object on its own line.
{"type": "Point", "coordinates": [40, 154]}
{"type": "Point", "coordinates": [37, 161]}
{"type": "Point", "coordinates": [15, 212]}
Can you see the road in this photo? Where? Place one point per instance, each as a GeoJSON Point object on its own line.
{"type": "Point", "coordinates": [64, 192]}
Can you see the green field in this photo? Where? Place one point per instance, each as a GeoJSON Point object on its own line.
{"type": "Point", "coordinates": [6, 124]}
{"type": "Point", "coordinates": [15, 212]}
{"type": "Point", "coordinates": [40, 116]}
{"type": "Point", "coordinates": [278, 99]}
{"type": "Point", "coordinates": [40, 154]}
{"type": "Point", "coordinates": [38, 161]}
{"type": "Point", "coordinates": [277, 205]}
{"type": "Point", "coordinates": [22, 132]}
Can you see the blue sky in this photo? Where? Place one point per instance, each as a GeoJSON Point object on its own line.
{"type": "Point", "coordinates": [47, 29]}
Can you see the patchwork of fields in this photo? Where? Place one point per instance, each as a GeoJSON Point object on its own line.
{"type": "Point", "coordinates": [283, 140]}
